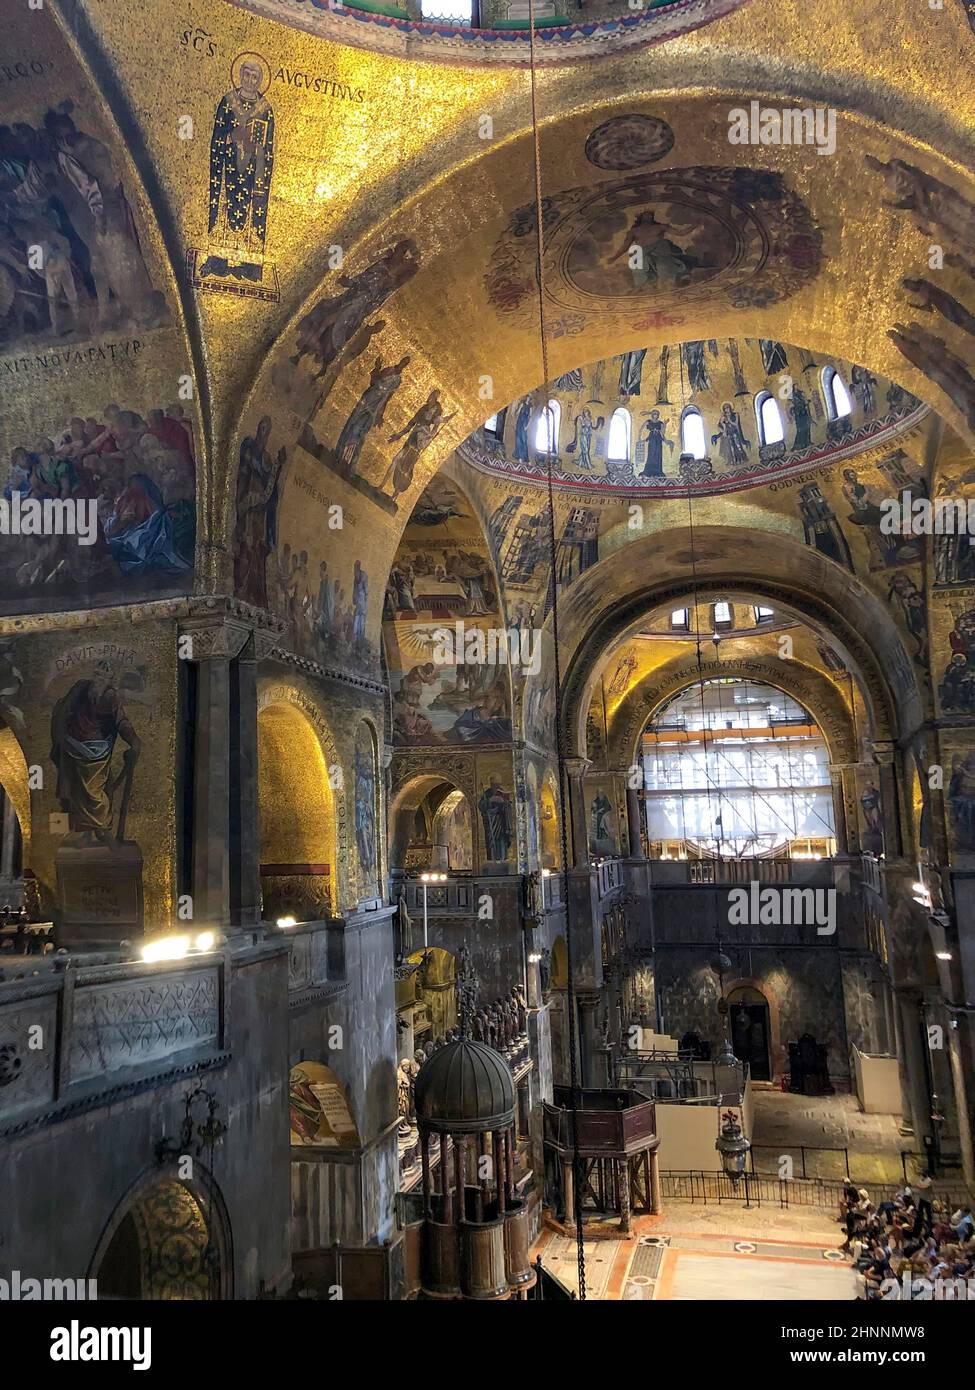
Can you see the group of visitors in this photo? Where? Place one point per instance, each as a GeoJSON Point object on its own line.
{"type": "Point", "coordinates": [911, 1233]}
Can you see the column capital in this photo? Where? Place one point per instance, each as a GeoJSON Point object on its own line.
{"type": "Point", "coordinates": [213, 639]}
{"type": "Point", "coordinates": [577, 766]}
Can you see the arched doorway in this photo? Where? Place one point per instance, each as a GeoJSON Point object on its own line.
{"type": "Point", "coordinates": [550, 840]}
{"type": "Point", "coordinates": [751, 1036]}
{"type": "Point", "coordinates": [453, 835]}
{"type": "Point", "coordinates": [168, 1241]}
{"type": "Point", "coordinates": [297, 817]}
{"type": "Point", "coordinates": [431, 827]}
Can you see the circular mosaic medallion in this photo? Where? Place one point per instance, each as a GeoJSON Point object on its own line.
{"type": "Point", "coordinates": [629, 142]}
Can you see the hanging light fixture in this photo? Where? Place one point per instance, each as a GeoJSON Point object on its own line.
{"type": "Point", "coordinates": [729, 1084]}
{"type": "Point", "coordinates": [732, 1145]}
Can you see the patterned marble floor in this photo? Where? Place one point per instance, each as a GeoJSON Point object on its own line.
{"type": "Point", "coordinates": [696, 1252]}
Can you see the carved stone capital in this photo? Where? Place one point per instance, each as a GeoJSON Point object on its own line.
{"type": "Point", "coordinates": [578, 767]}
{"type": "Point", "coordinates": [214, 638]}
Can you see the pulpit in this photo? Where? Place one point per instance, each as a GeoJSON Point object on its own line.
{"type": "Point", "coordinates": [475, 1237]}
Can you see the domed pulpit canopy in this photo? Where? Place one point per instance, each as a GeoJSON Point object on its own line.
{"type": "Point", "coordinates": [464, 1088]}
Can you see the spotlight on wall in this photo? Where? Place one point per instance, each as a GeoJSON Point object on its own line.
{"type": "Point", "coordinates": [165, 948]}
{"type": "Point", "coordinates": [943, 955]}
{"type": "Point", "coordinates": [205, 941]}
{"type": "Point", "coordinates": [921, 894]}
{"type": "Point", "coordinates": [287, 922]}
{"type": "Point", "coordinates": [433, 878]}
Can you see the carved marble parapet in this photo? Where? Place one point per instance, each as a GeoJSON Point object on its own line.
{"type": "Point", "coordinates": [28, 1032]}
{"type": "Point", "coordinates": [132, 1023]}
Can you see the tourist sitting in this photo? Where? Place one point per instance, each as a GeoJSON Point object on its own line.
{"type": "Point", "coordinates": [909, 1236]}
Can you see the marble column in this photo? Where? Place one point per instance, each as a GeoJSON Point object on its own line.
{"type": "Point", "coordinates": [839, 808]}
{"type": "Point", "coordinates": [8, 838]}
{"type": "Point", "coordinates": [587, 1005]}
{"type": "Point", "coordinates": [655, 1203]}
{"type": "Point", "coordinates": [915, 1041]}
{"type": "Point", "coordinates": [634, 821]}
{"type": "Point", "coordinates": [890, 800]}
{"type": "Point", "coordinates": [568, 1192]}
{"type": "Point", "coordinates": [224, 763]}
{"type": "Point", "coordinates": [623, 1166]}
{"type": "Point", "coordinates": [246, 910]}
{"type": "Point", "coordinates": [961, 1108]}
{"type": "Point", "coordinates": [575, 771]}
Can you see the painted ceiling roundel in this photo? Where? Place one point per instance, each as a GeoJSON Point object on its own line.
{"type": "Point", "coordinates": [652, 242]}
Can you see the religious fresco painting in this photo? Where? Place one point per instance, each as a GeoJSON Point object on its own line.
{"type": "Point", "coordinates": [621, 423]}
{"type": "Point", "coordinates": [324, 605]}
{"type": "Point", "coordinates": [366, 811]}
{"type": "Point", "coordinates": [351, 399]}
{"type": "Point", "coordinates": [961, 799]}
{"type": "Point", "coordinates": [62, 193]}
{"type": "Point", "coordinates": [241, 170]}
{"type": "Point", "coordinates": [98, 846]}
{"type": "Point", "coordinates": [947, 218]}
{"type": "Point", "coordinates": [131, 472]}
{"type": "Point", "coordinates": [320, 1112]}
{"type": "Point", "coordinates": [740, 234]}
{"type": "Point", "coordinates": [96, 424]}
{"type": "Point", "coordinates": [603, 819]}
{"type": "Point", "coordinates": [496, 813]}
{"type": "Point", "coordinates": [441, 608]}
{"type": "Point", "coordinates": [336, 331]}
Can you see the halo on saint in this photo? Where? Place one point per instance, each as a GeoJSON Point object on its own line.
{"type": "Point", "coordinates": [256, 60]}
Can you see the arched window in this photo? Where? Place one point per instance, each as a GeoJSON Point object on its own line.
{"type": "Point", "coordinates": [618, 445]}
{"type": "Point", "coordinates": [680, 619]}
{"type": "Point", "coordinates": [458, 12]}
{"type": "Point", "coordinates": [770, 428]}
{"type": "Point", "coordinates": [838, 403]}
{"type": "Point", "coordinates": [692, 433]}
{"type": "Point", "coordinates": [547, 429]}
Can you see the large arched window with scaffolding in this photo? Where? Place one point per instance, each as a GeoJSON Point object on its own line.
{"type": "Point", "coordinates": [736, 769]}
{"type": "Point", "coordinates": [620, 431]}
{"type": "Point", "coordinates": [692, 439]}
{"type": "Point", "coordinates": [837, 397]}
{"type": "Point", "coordinates": [547, 428]}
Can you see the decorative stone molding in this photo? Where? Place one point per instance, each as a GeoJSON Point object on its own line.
{"type": "Point", "coordinates": [144, 1020]}
{"type": "Point", "coordinates": [27, 1072]}
{"type": "Point", "coordinates": [424, 41]}
{"type": "Point", "coordinates": [220, 640]}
